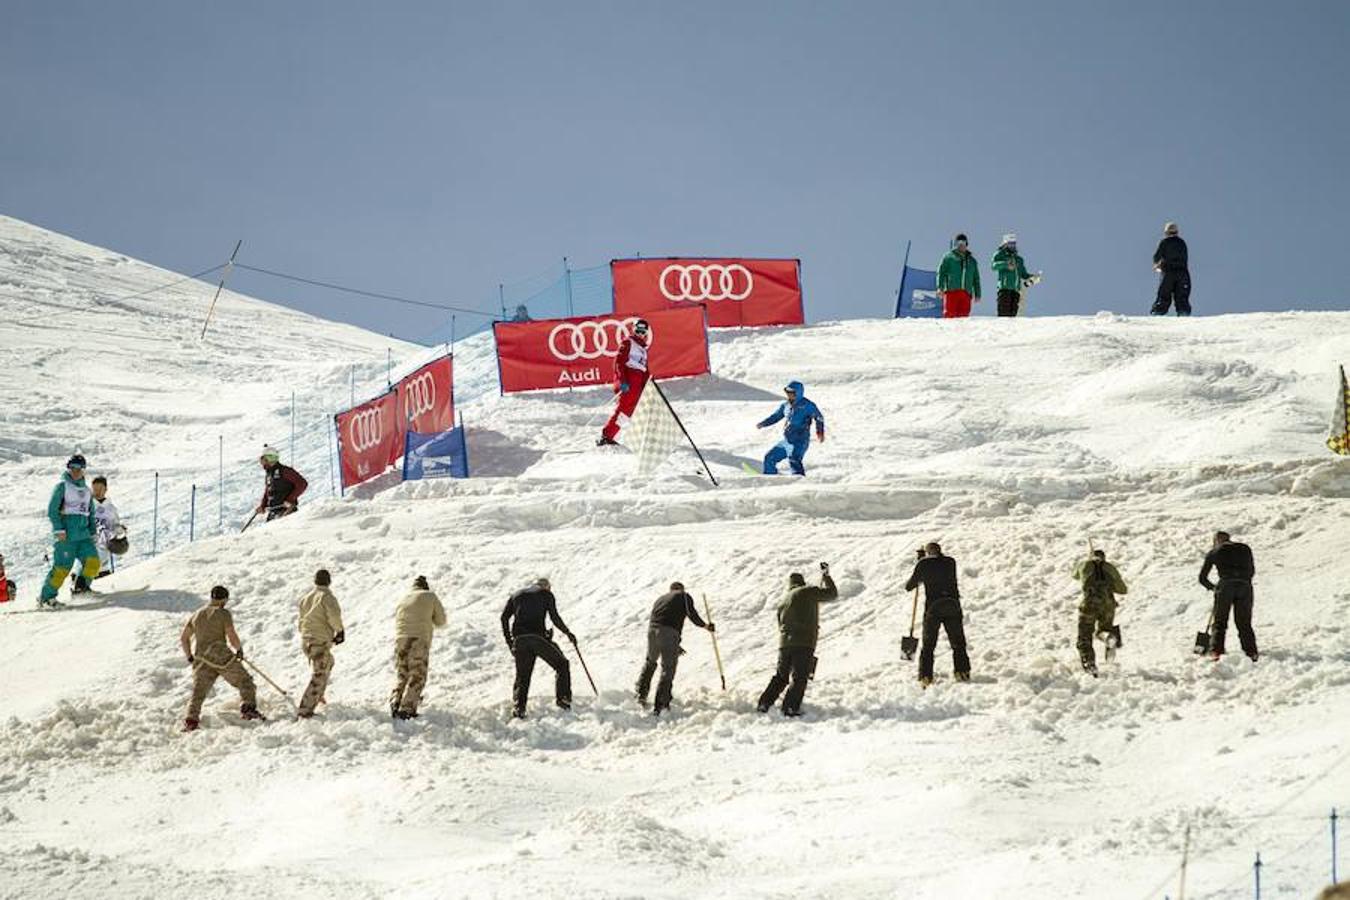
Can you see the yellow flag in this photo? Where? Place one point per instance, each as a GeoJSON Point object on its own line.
{"type": "Point", "coordinates": [1339, 440]}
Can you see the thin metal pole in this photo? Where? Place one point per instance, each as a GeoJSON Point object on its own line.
{"type": "Point", "coordinates": [220, 484]}
{"type": "Point", "coordinates": [229, 267]}
{"type": "Point", "coordinates": [1185, 860]}
{"type": "Point", "coordinates": [353, 385]}
{"type": "Point", "coordinates": [567, 280]}
{"type": "Point", "coordinates": [1333, 845]}
{"type": "Point", "coordinates": [328, 448]}
{"type": "Point", "coordinates": [501, 298]}
{"type": "Point", "coordinates": [154, 527]}
{"type": "Point", "coordinates": [388, 366]}
{"type": "Point", "coordinates": [452, 333]}
{"type": "Point", "coordinates": [904, 268]}
{"type": "Point", "coordinates": [292, 456]}
{"type": "Point", "coordinates": [192, 516]}
{"type": "Point", "coordinates": [1256, 870]}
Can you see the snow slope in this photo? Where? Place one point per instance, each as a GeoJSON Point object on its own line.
{"type": "Point", "coordinates": [1012, 441]}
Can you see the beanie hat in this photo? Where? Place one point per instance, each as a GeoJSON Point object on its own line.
{"type": "Point", "coordinates": [322, 578]}
{"type": "Point", "coordinates": [1170, 228]}
{"type": "Point", "coordinates": [960, 238]}
{"type": "Point", "coordinates": [76, 461]}
{"type": "Point", "coordinates": [796, 580]}
{"type": "Point", "coordinates": [1009, 238]}
{"type": "Point", "coordinates": [420, 582]}
{"type": "Point", "coordinates": [219, 593]}
{"type": "Point", "coordinates": [270, 452]}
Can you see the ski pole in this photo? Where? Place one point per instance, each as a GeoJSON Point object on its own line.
{"type": "Point", "coordinates": [584, 667]}
{"type": "Point", "coordinates": [275, 686]}
{"type": "Point", "coordinates": [249, 522]}
{"type": "Point", "coordinates": [717, 654]}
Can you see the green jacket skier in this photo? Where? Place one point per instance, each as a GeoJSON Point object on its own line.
{"type": "Point", "coordinates": [71, 512]}
{"type": "Point", "coordinates": [1101, 582]}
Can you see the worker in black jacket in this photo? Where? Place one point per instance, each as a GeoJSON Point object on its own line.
{"type": "Point", "coordinates": [663, 643]}
{"type": "Point", "coordinates": [941, 608]}
{"type": "Point", "coordinates": [1172, 260]}
{"type": "Point", "coordinates": [529, 639]}
{"type": "Point", "coordinates": [1234, 591]}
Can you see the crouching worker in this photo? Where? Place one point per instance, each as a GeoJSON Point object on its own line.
{"type": "Point", "coordinates": [207, 640]}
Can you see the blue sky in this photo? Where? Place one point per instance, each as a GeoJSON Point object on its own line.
{"type": "Point", "coordinates": [433, 150]}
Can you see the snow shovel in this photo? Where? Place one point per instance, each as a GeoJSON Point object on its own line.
{"type": "Point", "coordinates": [584, 667]}
{"type": "Point", "coordinates": [1202, 637]}
{"type": "Point", "coordinates": [908, 645]}
{"type": "Point", "coordinates": [721, 673]}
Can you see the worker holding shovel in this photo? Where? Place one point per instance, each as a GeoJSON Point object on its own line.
{"type": "Point", "coordinates": [664, 632]}
{"type": "Point", "coordinates": [217, 652]}
{"type": "Point", "coordinates": [941, 609]}
{"type": "Point", "coordinates": [1101, 582]}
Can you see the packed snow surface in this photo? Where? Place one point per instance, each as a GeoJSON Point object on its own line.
{"type": "Point", "coordinates": [1013, 442]}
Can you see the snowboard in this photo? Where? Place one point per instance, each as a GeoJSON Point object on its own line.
{"type": "Point", "coordinates": [1033, 278]}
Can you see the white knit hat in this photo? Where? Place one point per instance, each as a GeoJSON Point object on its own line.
{"type": "Point", "coordinates": [269, 451]}
{"type": "Point", "coordinates": [1170, 228]}
{"type": "Point", "coordinates": [1010, 238]}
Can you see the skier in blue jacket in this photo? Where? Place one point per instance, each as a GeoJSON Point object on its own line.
{"type": "Point", "coordinates": [71, 511]}
{"type": "Point", "coordinates": [798, 411]}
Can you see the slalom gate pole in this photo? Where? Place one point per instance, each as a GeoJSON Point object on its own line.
{"type": "Point", "coordinates": [154, 525]}
{"type": "Point", "coordinates": [229, 267]}
{"type": "Point", "coordinates": [274, 685]}
{"type": "Point", "coordinates": [192, 516]}
{"type": "Point", "coordinates": [717, 654]}
{"type": "Point", "coordinates": [656, 384]}
{"type": "Point", "coordinates": [220, 485]}
{"type": "Point", "coordinates": [585, 668]}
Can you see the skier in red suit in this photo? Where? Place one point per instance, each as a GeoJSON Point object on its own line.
{"type": "Point", "coordinates": [630, 377]}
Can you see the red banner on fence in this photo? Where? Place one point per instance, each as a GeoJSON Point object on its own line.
{"type": "Point", "coordinates": [370, 438]}
{"type": "Point", "coordinates": [427, 398]}
{"type": "Point", "coordinates": [745, 292]}
{"type": "Point", "coordinates": [556, 353]}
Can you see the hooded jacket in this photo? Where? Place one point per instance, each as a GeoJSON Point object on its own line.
{"type": "Point", "coordinates": [959, 272]}
{"type": "Point", "coordinates": [799, 612]}
{"type": "Point", "coordinates": [798, 415]}
{"type": "Point", "coordinates": [320, 616]}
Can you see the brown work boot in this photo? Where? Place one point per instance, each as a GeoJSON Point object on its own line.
{"type": "Point", "coordinates": [191, 724]}
{"type": "Point", "coordinates": [250, 712]}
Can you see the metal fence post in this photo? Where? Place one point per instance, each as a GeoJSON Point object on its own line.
{"type": "Point", "coordinates": [154, 526]}
{"type": "Point", "coordinates": [192, 516]}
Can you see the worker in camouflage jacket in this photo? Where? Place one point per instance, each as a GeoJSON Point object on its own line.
{"type": "Point", "coordinates": [1101, 582]}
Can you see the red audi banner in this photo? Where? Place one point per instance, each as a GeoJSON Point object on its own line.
{"type": "Point", "coordinates": [426, 398]}
{"type": "Point", "coordinates": [557, 353]}
{"type": "Point", "coordinates": [746, 292]}
{"type": "Point", "coordinates": [370, 438]}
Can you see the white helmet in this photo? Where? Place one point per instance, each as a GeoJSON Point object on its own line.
{"type": "Point", "coordinates": [1009, 239]}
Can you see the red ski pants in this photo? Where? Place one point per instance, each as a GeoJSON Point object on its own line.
{"type": "Point", "coordinates": [628, 401]}
{"type": "Point", "coordinates": [956, 305]}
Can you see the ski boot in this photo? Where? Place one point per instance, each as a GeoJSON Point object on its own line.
{"type": "Point", "coordinates": [606, 442]}
{"type": "Point", "coordinates": [249, 713]}
{"type": "Point", "coordinates": [50, 603]}
{"type": "Point", "coordinates": [191, 724]}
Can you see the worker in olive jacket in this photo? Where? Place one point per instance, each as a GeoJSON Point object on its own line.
{"type": "Point", "coordinates": [798, 631]}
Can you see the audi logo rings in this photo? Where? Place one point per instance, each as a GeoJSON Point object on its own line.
{"type": "Point", "coordinates": [693, 283]}
{"type": "Point", "coordinates": [570, 341]}
{"type": "Point", "coordinates": [419, 396]}
{"type": "Point", "coordinates": [366, 430]}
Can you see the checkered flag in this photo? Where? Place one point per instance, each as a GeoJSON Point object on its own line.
{"type": "Point", "coordinates": [1339, 439]}
{"type": "Point", "coordinates": [653, 434]}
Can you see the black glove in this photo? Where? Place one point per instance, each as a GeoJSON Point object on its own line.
{"type": "Point", "coordinates": [239, 654]}
{"type": "Point", "coordinates": [190, 659]}
{"type": "Point", "coordinates": [711, 627]}
{"type": "Point", "coordinates": [510, 645]}
{"type": "Point", "coordinates": [340, 637]}
{"type": "Point", "coordinates": [572, 637]}
{"type": "Point", "coordinates": [824, 567]}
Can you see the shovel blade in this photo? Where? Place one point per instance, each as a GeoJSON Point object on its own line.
{"type": "Point", "coordinates": [908, 646]}
{"type": "Point", "coordinates": [1201, 643]}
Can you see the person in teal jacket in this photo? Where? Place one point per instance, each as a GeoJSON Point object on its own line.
{"type": "Point", "coordinates": [1012, 273]}
{"type": "Point", "coordinates": [958, 280]}
{"type": "Point", "coordinates": [71, 512]}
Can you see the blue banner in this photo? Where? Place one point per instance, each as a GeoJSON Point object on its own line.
{"type": "Point", "coordinates": [443, 455]}
{"type": "Point", "coordinates": [918, 295]}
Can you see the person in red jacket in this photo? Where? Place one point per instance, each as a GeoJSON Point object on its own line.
{"type": "Point", "coordinates": [284, 485]}
{"type": "Point", "coordinates": [630, 377]}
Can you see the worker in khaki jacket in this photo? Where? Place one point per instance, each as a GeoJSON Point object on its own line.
{"type": "Point", "coordinates": [320, 628]}
{"type": "Point", "coordinates": [418, 615]}
{"type": "Point", "coordinates": [212, 627]}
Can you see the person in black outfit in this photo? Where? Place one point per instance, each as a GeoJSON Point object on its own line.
{"type": "Point", "coordinates": [663, 643]}
{"type": "Point", "coordinates": [1234, 591]}
{"type": "Point", "coordinates": [941, 608]}
{"type": "Point", "coordinates": [1171, 260]}
{"type": "Point", "coordinates": [523, 628]}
